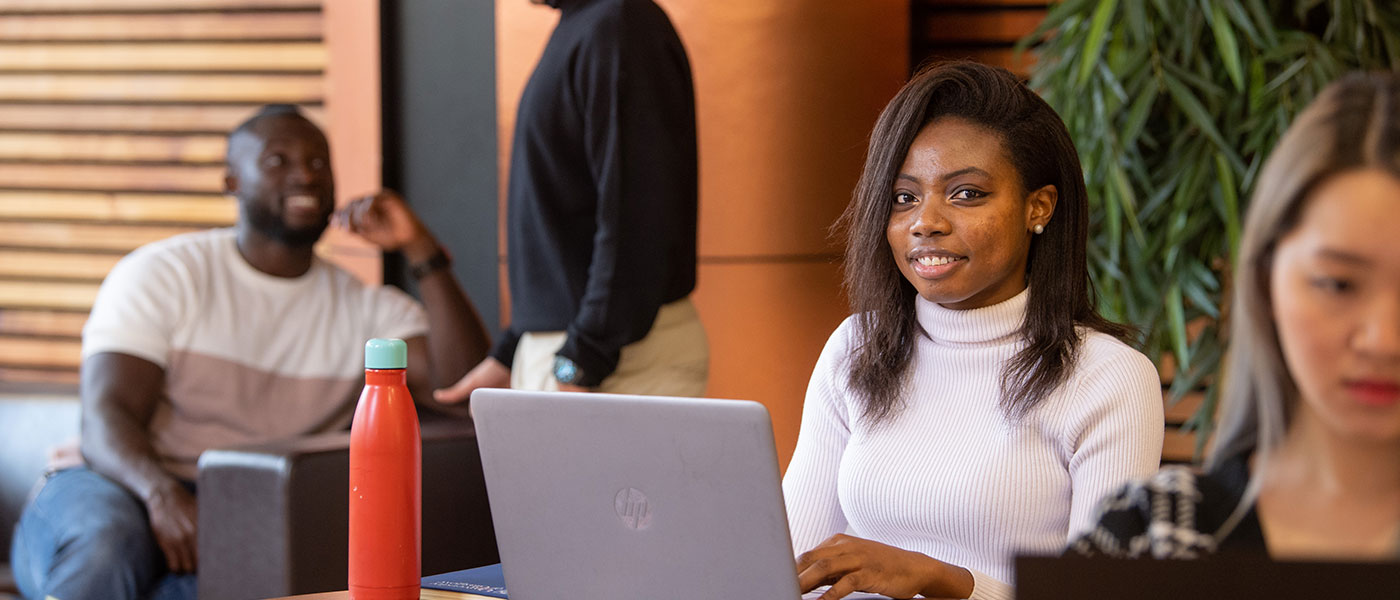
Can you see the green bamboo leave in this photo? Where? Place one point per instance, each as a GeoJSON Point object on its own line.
{"type": "Point", "coordinates": [1200, 117]}
{"type": "Point", "coordinates": [1174, 106]}
{"type": "Point", "coordinates": [1094, 43]}
{"type": "Point", "coordinates": [1125, 196]}
{"type": "Point", "coordinates": [1177, 319]}
{"type": "Point", "coordinates": [1231, 215]}
{"type": "Point", "coordinates": [1228, 48]}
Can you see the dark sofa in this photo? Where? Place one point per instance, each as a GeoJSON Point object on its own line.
{"type": "Point", "coordinates": [272, 517]}
{"type": "Point", "coordinates": [30, 424]}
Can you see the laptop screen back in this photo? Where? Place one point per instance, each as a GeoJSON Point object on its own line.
{"type": "Point", "coordinates": [599, 496]}
{"type": "Point", "coordinates": [1213, 578]}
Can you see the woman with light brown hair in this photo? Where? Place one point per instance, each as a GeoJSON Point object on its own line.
{"type": "Point", "coordinates": [1306, 464]}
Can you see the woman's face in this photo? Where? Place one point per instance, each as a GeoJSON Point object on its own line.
{"type": "Point", "coordinates": [960, 225]}
{"type": "Point", "coordinates": [1335, 289]}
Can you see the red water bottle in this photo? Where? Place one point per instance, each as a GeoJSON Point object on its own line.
{"type": "Point", "coordinates": [386, 493]}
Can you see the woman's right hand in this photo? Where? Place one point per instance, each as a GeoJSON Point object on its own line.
{"type": "Point", "coordinates": [851, 564]}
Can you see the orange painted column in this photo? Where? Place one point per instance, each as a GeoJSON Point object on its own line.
{"type": "Point", "coordinates": [351, 34]}
{"type": "Point", "coordinates": [786, 95]}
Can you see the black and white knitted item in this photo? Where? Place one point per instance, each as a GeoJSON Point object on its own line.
{"type": "Point", "coordinates": [1157, 518]}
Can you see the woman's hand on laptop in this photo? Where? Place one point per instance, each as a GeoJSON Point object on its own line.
{"type": "Point", "coordinates": [851, 564]}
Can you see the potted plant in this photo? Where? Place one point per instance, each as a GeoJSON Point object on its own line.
{"type": "Point", "coordinates": [1174, 105]}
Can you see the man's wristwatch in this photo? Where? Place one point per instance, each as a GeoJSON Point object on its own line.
{"type": "Point", "coordinates": [439, 260]}
{"type": "Point", "coordinates": [567, 371]}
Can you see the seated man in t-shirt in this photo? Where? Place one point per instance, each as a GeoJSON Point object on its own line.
{"type": "Point", "coordinates": [224, 337]}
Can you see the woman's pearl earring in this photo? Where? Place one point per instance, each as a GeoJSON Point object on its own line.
{"type": "Point", "coordinates": [1039, 228]}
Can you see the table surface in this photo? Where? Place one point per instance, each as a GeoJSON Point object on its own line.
{"type": "Point", "coordinates": [346, 596]}
{"type": "Point", "coordinates": [320, 596]}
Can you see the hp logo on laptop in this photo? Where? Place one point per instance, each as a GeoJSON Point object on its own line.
{"type": "Point", "coordinates": [631, 505]}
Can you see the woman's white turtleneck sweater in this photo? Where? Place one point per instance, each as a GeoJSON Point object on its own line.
{"type": "Point", "coordinates": [949, 475]}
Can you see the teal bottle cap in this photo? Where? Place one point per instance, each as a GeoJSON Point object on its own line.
{"type": "Point", "coordinates": [386, 354]}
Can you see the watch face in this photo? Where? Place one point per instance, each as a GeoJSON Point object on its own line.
{"type": "Point", "coordinates": [565, 371]}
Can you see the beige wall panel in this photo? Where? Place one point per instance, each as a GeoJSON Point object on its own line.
{"type": "Point", "coordinates": [204, 179]}
{"type": "Point", "coordinates": [151, 5]}
{"type": "Point", "coordinates": [16, 380]}
{"type": "Point", "coordinates": [767, 323]}
{"type": "Point", "coordinates": [111, 147]}
{"type": "Point", "coordinates": [182, 56]}
{"type": "Point", "coordinates": [216, 119]}
{"type": "Point", "coordinates": [117, 206]}
{"type": "Point", "coordinates": [155, 26]}
{"type": "Point", "coordinates": [41, 322]}
{"type": "Point", "coordinates": [46, 353]}
{"type": "Point", "coordinates": [162, 87]}
{"type": "Point", "coordinates": [83, 236]}
{"type": "Point", "coordinates": [114, 115]}
{"type": "Point", "coordinates": [47, 295]}
{"type": "Point", "coordinates": [68, 265]}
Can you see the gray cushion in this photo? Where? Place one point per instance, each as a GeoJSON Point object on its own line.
{"type": "Point", "coordinates": [29, 427]}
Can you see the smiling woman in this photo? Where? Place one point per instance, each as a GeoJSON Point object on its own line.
{"type": "Point", "coordinates": [957, 198]}
{"type": "Point", "coordinates": [975, 405]}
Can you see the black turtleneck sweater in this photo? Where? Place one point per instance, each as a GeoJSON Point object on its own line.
{"type": "Point", "coordinates": [601, 204]}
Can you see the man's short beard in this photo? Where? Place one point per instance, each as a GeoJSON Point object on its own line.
{"type": "Point", "coordinates": [270, 224]}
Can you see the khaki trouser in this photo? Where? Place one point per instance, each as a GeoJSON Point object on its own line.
{"type": "Point", "coordinates": [672, 360]}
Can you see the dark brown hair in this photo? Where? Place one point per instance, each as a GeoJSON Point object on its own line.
{"type": "Point", "coordinates": [1036, 141]}
{"type": "Point", "coordinates": [1354, 123]}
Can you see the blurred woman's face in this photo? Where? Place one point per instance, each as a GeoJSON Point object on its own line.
{"type": "Point", "coordinates": [1335, 289]}
{"type": "Point", "coordinates": [960, 224]}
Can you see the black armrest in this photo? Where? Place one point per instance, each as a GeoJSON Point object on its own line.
{"type": "Point", "coordinates": [273, 517]}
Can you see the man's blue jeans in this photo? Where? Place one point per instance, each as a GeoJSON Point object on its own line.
{"type": "Point", "coordinates": [84, 537]}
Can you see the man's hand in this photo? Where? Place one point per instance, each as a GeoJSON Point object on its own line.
{"type": "Point", "coordinates": [489, 373]}
{"type": "Point", "coordinates": [174, 518]}
{"type": "Point", "coordinates": [384, 219]}
{"type": "Point", "coordinates": [119, 393]}
{"type": "Point", "coordinates": [850, 564]}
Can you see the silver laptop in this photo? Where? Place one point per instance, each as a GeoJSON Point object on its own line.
{"type": "Point", "coordinates": [601, 497]}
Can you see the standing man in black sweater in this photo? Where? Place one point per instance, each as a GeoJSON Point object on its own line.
{"type": "Point", "coordinates": [602, 207]}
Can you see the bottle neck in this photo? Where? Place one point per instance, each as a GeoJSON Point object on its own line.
{"type": "Point", "coordinates": [386, 377]}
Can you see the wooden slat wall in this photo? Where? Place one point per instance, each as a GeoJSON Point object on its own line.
{"type": "Point", "coordinates": [985, 31]}
{"type": "Point", "coordinates": [980, 30]}
{"type": "Point", "coordinates": [112, 122]}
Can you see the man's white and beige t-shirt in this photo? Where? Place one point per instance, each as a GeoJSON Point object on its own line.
{"type": "Point", "coordinates": [248, 357]}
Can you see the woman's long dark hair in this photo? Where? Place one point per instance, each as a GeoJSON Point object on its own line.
{"type": "Point", "coordinates": [1061, 299]}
